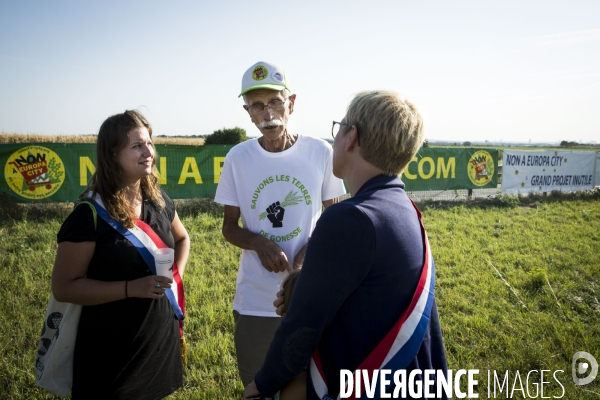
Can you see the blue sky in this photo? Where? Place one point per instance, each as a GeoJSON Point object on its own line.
{"type": "Point", "coordinates": [510, 70]}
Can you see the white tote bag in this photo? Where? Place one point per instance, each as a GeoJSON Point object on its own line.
{"type": "Point", "coordinates": [54, 359]}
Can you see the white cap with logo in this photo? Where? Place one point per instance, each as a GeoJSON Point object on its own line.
{"type": "Point", "coordinates": [264, 75]}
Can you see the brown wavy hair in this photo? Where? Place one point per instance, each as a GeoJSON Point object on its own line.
{"type": "Point", "coordinates": [108, 181]}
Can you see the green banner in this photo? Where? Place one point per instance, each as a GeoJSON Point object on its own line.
{"type": "Point", "coordinates": [57, 172]}
{"type": "Point", "coordinates": [452, 168]}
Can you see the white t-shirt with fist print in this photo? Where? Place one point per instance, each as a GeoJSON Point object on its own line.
{"type": "Point", "coordinates": [280, 196]}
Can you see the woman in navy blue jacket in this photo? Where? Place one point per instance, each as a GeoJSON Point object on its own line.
{"type": "Point", "coordinates": [366, 266]}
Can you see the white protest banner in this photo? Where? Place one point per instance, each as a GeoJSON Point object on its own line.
{"type": "Point", "coordinates": [597, 170]}
{"type": "Point", "coordinates": [545, 171]}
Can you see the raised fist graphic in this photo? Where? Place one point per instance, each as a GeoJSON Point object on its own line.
{"type": "Point", "coordinates": [275, 214]}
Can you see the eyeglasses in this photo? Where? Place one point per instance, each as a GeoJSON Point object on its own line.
{"type": "Point", "coordinates": [258, 108]}
{"type": "Point", "coordinates": [341, 123]}
{"type": "Point", "coordinates": [333, 128]}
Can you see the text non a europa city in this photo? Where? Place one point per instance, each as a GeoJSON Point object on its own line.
{"type": "Point", "coordinates": [535, 161]}
{"type": "Point", "coordinates": [556, 161]}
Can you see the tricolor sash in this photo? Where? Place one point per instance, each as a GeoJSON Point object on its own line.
{"type": "Point", "coordinates": [401, 344]}
{"type": "Point", "coordinates": [146, 241]}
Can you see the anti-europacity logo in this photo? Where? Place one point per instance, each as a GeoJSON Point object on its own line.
{"type": "Point", "coordinates": [481, 168]}
{"type": "Point", "coordinates": [34, 172]}
{"type": "Point", "coordinates": [260, 73]}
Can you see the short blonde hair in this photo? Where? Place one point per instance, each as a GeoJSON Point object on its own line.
{"type": "Point", "coordinates": [390, 129]}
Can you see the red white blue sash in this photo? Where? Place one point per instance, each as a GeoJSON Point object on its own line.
{"type": "Point", "coordinates": [401, 344]}
{"type": "Point", "coordinates": [146, 241]}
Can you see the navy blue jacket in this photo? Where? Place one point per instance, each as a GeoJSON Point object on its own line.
{"type": "Point", "coordinates": [361, 269]}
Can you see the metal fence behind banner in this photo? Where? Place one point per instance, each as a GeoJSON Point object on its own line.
{"type": "Point", "coordinates": [454, 195]}
{"type": "Point", "coordinates": [459, 194]}
{"type": "Point", "coordinates": [450, 195]}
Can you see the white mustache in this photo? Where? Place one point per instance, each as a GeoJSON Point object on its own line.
{"type": "Point", "coordinates": [268, 124]}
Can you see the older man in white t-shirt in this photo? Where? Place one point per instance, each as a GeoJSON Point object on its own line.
{"type": "Point", "coordinates": [277, 185]}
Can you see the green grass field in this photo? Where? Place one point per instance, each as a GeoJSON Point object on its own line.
{"type": "Point", "coordinates": [518, 287]}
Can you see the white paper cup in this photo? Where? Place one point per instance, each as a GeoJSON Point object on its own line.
{"type": "Point", "coordinates": [163, 260]}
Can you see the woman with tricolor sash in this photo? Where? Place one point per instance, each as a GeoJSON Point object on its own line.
{"type": "Point", "coordinates": [363, 305]}
{"type": "Point", "coordinates": [128, 339]}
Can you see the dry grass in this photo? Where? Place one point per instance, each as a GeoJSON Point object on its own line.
{"type": "Point", "coordinates": [8, 138]}
{"type": "Point", "coordinates": [179, 140]}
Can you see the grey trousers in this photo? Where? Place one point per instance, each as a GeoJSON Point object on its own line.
{"type": "Point", "coordinates": [252, 338]}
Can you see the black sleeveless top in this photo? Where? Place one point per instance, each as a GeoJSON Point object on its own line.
{"type": "Point", "coordinates": [126, 349]}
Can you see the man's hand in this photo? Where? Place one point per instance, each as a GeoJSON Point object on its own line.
{"type": "Point", "coordinates": [279, 303]}
{"type": "Point", "coordinates": [271, 256]}
{"type": "Point", "coordinates": [275, 214]}
{"type": "Point", "coordinates": [251, 392]}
